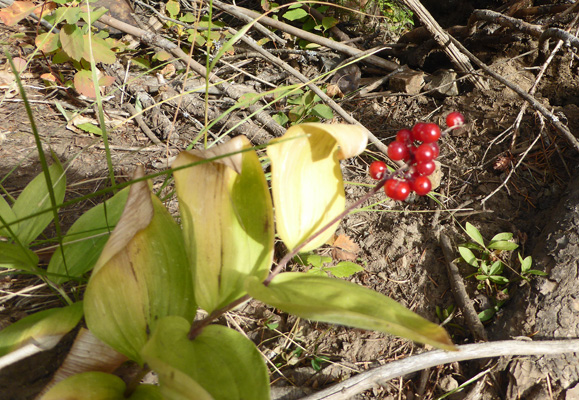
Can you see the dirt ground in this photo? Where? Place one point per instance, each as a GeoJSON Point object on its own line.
{"type": "Point", "coordinates": [398, 241]}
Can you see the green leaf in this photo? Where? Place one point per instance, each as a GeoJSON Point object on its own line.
{"type": "Point", "coordinates": [227, 219]}
{"type": "Point", "coordinates": [323, 111]}
{"type": "Point", "coordinates": [487, 314]}
{"type": "Point", "coordinates": [88, 386]}
{"type": "Point", "coordinates": [53, 322]}
{"type": "Point", "coordinates": [90, 128]}
{"type": "Point", "coordinates": [224, 362]}
{"type": "Point", "coordinates": [188, 18]}
{"type": "Point", "coordinates": [502, 236]}
{"type": "Point", "coordinates": [229, 44]}
{"type": "Point", "coordinates": [14, 256]}
{"type": "Point", "coordinates": [296, 13]}
{"type": "Point", "coordinates": [72, 41]}
{"type": "Point", "coordinates": [501, 280]}
{"type": "Point", "coordinates": [69, 14]}
{"type": "Point", "coordinates": [94, 15]}
{"type": "Point", "coordinates": [340, 302]}
{"type": "Point", "coordinates": [474, 234]}
{"type": "Point", "coordinates": [47, 42]}
{"type": "Point", "coordinates": [468, 256]}
{"type": "Point", "coordinates": [315, 260]}
{"type": "Point", "coordinates": [34, 198]}
{"type": "Point", "coordinates": [86, 239]}
{"type": "Point", "coordinates": [7, 216]}
{"type": "Point", "coordinates": [141, 275]}
{"type": "Point", "coordinates": [101, 50]}
{"type": "Point", "coordinates": [147, 392]}
{"type": "Point", "coordinates": [173, 8]}
{"type": "Point", "coordinates": [536, 272]}
{"type": "Point", "coordinates": [496, 268]}
{"type": "Point", "coordinates": [280, 118]}
{"type": "Point", "coordinates": [481, 277]}
{"type": "Point", "coordinates": [329, 22]}
{"type": "Point", "coordinates": [502, 245]}
{"type": "Point", "coordinates": [344, 269]}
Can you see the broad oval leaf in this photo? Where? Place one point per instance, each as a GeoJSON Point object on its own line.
{"type": "Point", "coordinates": [503, 245]}
{"type": "Point", "coordinates": [141, 275]}
{"type": "Point", "coordinates": [88, 386]}
{"type": "Point", "coordinates": [502, 236]}
{"type": "Point", "coordinates": [35, 198]}
{"type": "Point", "coordinates": [306, 180]}
{"type": "Point", "coordinates": [55, 322]}
{"type": "Point", "coordinates": [227, 219]}
{"type": "Point", "coordinates": [224, 362]}
{"type": "Point", "coordinates": [72, 41]}
{"type": "Point", "coordinates": [84, 241]}
{"type": "Point", "coordinates": [341, 302]}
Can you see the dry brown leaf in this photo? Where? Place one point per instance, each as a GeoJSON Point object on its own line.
{"type": "Point", "coordinates": [345, 249]}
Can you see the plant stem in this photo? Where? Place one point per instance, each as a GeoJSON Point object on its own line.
{"type": "Point", "coordinates": [198, 326]}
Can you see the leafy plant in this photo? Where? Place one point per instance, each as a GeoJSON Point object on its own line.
{"type": "Point", "coordinates": [72, 42]}
{"type": "Point", "coordinates": [343, 269]}
{"type": "Point", "coordinates": [151, 274]}
{"type": "Point", "coordinates": [306, 107]}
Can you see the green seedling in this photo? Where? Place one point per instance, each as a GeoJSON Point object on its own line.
{"type": "Point", "coordinates": [318, 264]}
{"type": "Point", "coordinates": [489, 313]}
{"type": "Point", "coordinates": [306, 106]}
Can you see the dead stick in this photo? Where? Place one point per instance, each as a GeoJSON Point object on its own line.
{"type": "Point", "coordinates": [459, 291]}
{"type": "Point", "coordinates": [379, 376]}
{"type": "Point", "coordinates": [443, 39]}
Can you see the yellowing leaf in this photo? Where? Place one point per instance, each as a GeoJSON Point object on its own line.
{"type": "Point", "coordinates": [306, 181]}
{"type": "Point", "coordinates": [227, 219]}
{"type": "Point", "coordinates": [17, 11]}
{"type": "Point", "coordinates": [224, 363]}
{"type": "Point", "coordinates": [101, 50]}
{"type": "Point", "coordinates": [84, 84]}
{"type": "Point", "coordinates": [141, 275]}
{"type": "Point", "coordinates": [88, 386]}
{"type": "Point", "coordinates": [47, 42]}
{"type": "Point", "coordinates": [325, 299]}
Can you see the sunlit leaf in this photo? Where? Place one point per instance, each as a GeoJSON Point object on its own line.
{"type": "Point", "coordinates": [341, 302]}
{"type": "Point", "coordinates": [474, 234]}
{"type": "Point", "coordinates": [306, 180]}
{"type": "Point", "coordinates": [297, 13]}
{"type": "Point", "coordinates": [503, 245]}
{"type": "Point", "coordinates": [47, 42]}
{"type": "Point", "coordinates": [84, 84]}
{"type": "Point", "coordinates": [100, 50]}
{"type": "Point", "coordinates": [227, 219]}
{"type": "Point", "coordinates": [55, 322]}
{"type": "Point", "coordinates": [141, 275]}
{"type": "Point", "coordinates": [35, 198]}
{"type": "Point", "coordinates": [94, 15]}
{"type": "Point", "coordinates": [17, 11]}
{"type": "Point", "coordinates": [502, 236]}
{"type": "Point", "coordinates": [344, 269]}
{"type": "Point", "coordinates": [72, 41]}
{"type": "Point", "coordinates": [173, 8]}
{"type": "Point", "coordinates": [88, 386]}
{"type": "Point", "coordinates": [222, 361]}
{"type": "Point", "coordinates": [8, 216]}
{"type": "Point", "coordinates": [86, 238]}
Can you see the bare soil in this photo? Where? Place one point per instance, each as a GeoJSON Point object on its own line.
{"type": "Point", "coordinates": [398, 241]}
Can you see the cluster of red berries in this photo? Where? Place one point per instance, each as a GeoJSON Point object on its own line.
{"type": "Point", "coordinates": [418, 147]}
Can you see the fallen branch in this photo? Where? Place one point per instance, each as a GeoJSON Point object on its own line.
{"type": "Point", "coordinates": [395, 369]}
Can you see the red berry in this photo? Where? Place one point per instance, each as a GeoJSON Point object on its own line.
{"type": "Point", "coordinates": [430, 133]}
{"type": "Point", "coordinates": [421, 185]}
{"type": "Point", "coordinates": [377, 169]}
{"type": "Point", "coordinates": [398, 151]}
{"type": "Point", "coordinates": [454, 119]}
{"type": "Point", "coordinates": [425, 168]}
{"type": "Point", "coordinates": [417, 131]}
{"type": "Point", "coordinates": [404, 136]}
{"type": "Point", "coordinates": [435, 149]}
{"type": "Point", "coordinates": [424, 153]}
{"type": "Point", "coordinates": [397, 190]}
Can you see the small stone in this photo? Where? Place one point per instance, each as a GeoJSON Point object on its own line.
{"type": "Point", "coordinates": [407, 81]}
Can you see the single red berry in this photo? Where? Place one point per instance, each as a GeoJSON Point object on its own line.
{"type": "Point", "coordinates": [435, 149]}
{"type": "Point", "coordinates": [454, 119]}
{"type": "Point", "coordinates": [424, 153]}
{"type": "Point", "coordinates": [404, 136]}
{"type": "Point", "coordinates": [398, 151]}
{"type": "Point", "coordinates": [425, 168]}
{"type": "Point", "coordinates": [377, 170]}
{"type": "Point", "coordinates": [421, 185]}
{"type": "Point", "coordinates": [430, 133]}
{"type": "Point", "coordinates": [397, 190]}
{"type": "Point", "coordinates": [417, 131]}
